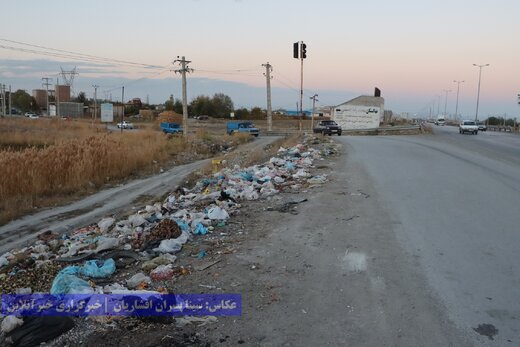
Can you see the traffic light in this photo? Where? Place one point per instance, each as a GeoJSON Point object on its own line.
{"type": "Point", "coordinates": [304, 51]}
{"type": "Point", "coordinates": [295, 50]}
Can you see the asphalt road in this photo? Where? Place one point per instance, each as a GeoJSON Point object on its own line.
{"type": "Point", "coordinates": [454, 206]}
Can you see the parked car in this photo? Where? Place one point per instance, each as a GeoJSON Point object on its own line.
{"type": "Point", "coordinates": [327, 127]}
{"type": "Point", "coordinates": [125, 125]}
{"type": "Point", "coordinates": [34, 116]}
{"type": "Point", "coordinates": [482, 126]}
{"type": "Point", "coordinates": [242, 127]}
{"type": "Point", "coordinates": [171, 128]}
{"type": "Point", "coordinates": [468, 126]}
{"type": "Point", "coordinates": [29, 114]}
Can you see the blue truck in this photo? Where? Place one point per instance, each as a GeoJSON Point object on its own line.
{"type": "Point", "coordinates": [242, 127]}
{"type": "Point", "coordinates": [171, 128]}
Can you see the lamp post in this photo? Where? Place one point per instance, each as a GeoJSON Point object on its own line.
{"type": "Point", "coordinates": [446, 100]}
{"type": "Point", "coordinates": [478, 92]}
{"type": "Point", "coordinates": [457, 103]}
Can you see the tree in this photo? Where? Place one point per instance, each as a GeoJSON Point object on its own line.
{"type": "Point", "coordinates": [242, 113]}
{"type": "Point", "coordinates": [202, 105]}
{"type": "Point", "coordinates": [223, 105]}
{"type": "Point", "coordinates": [257, 113]}
{"type": "Point", "coordinates": [22, 100]}
{"type": "Point", "coordinates": [82, 98]}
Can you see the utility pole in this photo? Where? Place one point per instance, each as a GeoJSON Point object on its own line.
{"type": "Point", "coordinates": [95, 101]}
{"type": "Point", "coordinates": [46, 85]}
{"type": "Point", "coordinates": [57, 96]}
{"type": "Point", "coordinates": [313, 98]}
{"type": "Point", "coordinates": [2, 92]}
{"type": "Point", "coordinates": [457, 103]}
{"type": "Point", "coordinates": [446, 101]}
{"type": "Point", "coordinates": [183, 70]}
{"type": "Point", "coordinates": [10, 105]}
{"type": "Point", "coordinates": [267, 74]}
{"type": "Point", "coordinates": [122, 104]}
{"type": "Point", "coordinates": [478, 92]}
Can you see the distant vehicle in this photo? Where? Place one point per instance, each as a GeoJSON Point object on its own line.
{"type": "Point", "coordinates": [468, 126]}
{"type": "Point", "coordinates": [242, 127]}
{"type": "Point", "coordinates": [29, 114]}
{"type": "Point", "coordinates": [171, 128]}
{"type": "Point", "coordinates": [203, 117]}
{"type": "Point", "coordinates": [482, 126]}
{"type": "Point", "coordinates": [327, 127]}
{"type": "Point", "coordinates": [34, 116]}
{"type": "Point", "coordinates": [125, 125]}
{"type": "Point", "coordinates": [440, 121]}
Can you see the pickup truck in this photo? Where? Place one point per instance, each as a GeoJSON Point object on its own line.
{"type": "Point", "coordinates": [468, 126]}
{"type": "Point", "coordinates": [125, 125]}
{"type": "Point", "coordinates": [242, 127]}
{"type": "Point", "coordinates": [327, 127]}
{"type": "Point", "coordinates": [171, 128]}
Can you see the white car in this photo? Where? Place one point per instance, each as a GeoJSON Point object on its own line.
{"type": "Point", "coordinates": [125, 125]}
{"type": "Point", "coordinates": [468, 126]}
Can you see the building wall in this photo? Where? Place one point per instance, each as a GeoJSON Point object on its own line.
{"type": "Point", "coordinates": [62, 93]}
{"type": "Point", "coordinates": [40, 95]}
{"type": "Point", "coordinates": [357, 116]}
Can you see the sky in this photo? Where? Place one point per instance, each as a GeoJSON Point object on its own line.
{"type": "Point", "coordinates": [412, 50]}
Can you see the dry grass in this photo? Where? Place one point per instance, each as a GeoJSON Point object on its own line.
{"type": "Point", "coordinates": [52, 161]}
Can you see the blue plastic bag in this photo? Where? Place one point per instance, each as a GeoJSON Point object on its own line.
{"type": "Point", "coordinates": [200, 229]}
{"type": "Point", "coordinates": [98, 268]}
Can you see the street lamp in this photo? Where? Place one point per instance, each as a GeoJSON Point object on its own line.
{"type": "Point", "coordinates": [446, 101]}
{"type": "Point", "coordinates": [457, 103]}
{"type": "Point", "coordinates": [478, 92]}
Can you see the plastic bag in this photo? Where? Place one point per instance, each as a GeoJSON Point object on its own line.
{"type": "Point", "coordinates": [105, 243]}
{"type": "Point", "coordinates": [105, 224]}
{"type": "Point", "coordinates": [98, 268]}
{"type": "Point", "coordinates": [217, 213]}
{"type": "Point", "coordinates": [3, 261]}
{"type": "Point", "coordinates": [162, 273]}
{"type": "Point", "coordinates": [171, 245]}
{"type": "Point", "coordinates": [65, 283]}
{"type": "Point", "coordinates": [163, 259]}
{"type": "Point", "coordinates": [10, 323]}
{"type": "Point", "coordinates": [137, 220]}
{"type": "Point", "coordinates": [137, 279]}
{"type": "Point", "coordinates": [200, 229]}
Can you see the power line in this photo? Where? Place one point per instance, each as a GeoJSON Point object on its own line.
{"type": "Point", "coordinates": [72, 55]}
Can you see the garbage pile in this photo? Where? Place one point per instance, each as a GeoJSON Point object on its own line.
{"type": "Point", "coordinates": [137, 254]}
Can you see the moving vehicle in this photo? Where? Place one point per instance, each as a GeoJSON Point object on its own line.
{"type": "Point", "coordinates": [125, 125]}
{"type": "Point", "coordinates": [327, 127]}
{"type": "Point", "coordinates": [468, 126]}
{"type": "Point", "coordinates": [440, 121]}
{"type": "Point", "coordinates": [482, 126]}
{"type": "Point", "coordinates": [241, 127]}
{"type": "Point", "coordinates": [171, 128]}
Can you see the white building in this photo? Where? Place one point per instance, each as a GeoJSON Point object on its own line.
{"type": "Point", "coordinates": [363, 112]}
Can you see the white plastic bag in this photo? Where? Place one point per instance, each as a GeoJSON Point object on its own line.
{"type": "Point", "coordinates": [137, 279]}
{"type": "Point", "coordinates": [105, 224]}
{"type": "Point", "coordinates": [217, 213]}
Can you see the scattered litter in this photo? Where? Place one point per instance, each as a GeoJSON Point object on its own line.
{"type": "Point", "coordinates": [182, 321]}
{"type": "Point", "coordinates": [162, 273]}
{"type": "Point", "coordinates": [200, 229]}
{"type": "Point", "coordinates": [36, 330]}
{"type": "Point", "coordinates": [137, 279]}
{"type": "Point", "coordinates": [10, 323]}
{"type": "Point", "coordinates": [217, 213]}
{"type": "Point", "coordinates": [105, 224]}
{"type": "Point", "coordinates": [201, 254]}
{"type": "Point", "coordinates": [206, 265]}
